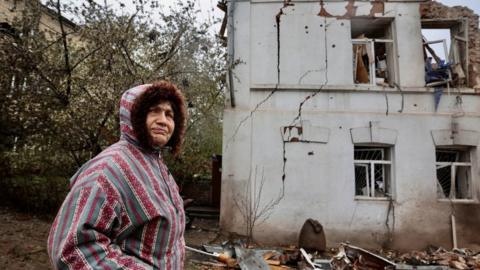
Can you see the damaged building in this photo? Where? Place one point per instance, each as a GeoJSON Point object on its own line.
{"type": "Point", "coordinates": [343, 112]}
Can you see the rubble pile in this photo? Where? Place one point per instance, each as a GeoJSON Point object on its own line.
{"type": "Point", "coordinates": [348, 257]}
{"type": "Point", "coordinates": [456, 259]}
{"type": "Point", "coordinates": [351, 257]}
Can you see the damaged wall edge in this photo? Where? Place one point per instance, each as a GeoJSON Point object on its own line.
{"type": "Point", "coordinates": [431, 11]}
{"type": "Point", "coordinates": [316, 1]}
{"type": "Point", "coordinates": [231, 50]}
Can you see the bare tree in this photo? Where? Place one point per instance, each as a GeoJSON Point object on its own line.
{"type": "Point", "coordinates": [254, 212]}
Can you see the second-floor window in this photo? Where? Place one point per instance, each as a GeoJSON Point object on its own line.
{"type": "Point", "coordinates": [373, 52]}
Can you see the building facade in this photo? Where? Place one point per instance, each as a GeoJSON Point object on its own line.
{"type": "Point", "coordinates": [342, 112]}
{"type": "Point", "coordinates": [47, 20]}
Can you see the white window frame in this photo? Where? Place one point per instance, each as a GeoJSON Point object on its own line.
{"type": "Point", "coordinates": [371, 174]}
{"type": "Point", "coordinates": [459, 35]}
{"type": "Point", "coordinates": [372, 68]}
{"type": "Point", "coordinates": [442, 164]}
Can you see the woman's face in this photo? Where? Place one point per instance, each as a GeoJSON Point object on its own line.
{"type": "Point", "coordinates": [160, 123]}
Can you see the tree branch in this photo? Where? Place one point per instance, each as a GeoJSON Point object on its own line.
{"type": "Point", "coordinates": [85, 57]}
{"type": "Point", "coordinates": [66, 53]}
{"type": "Point", "coordinates": [173, 50]}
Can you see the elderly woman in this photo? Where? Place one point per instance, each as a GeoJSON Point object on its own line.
{"type": "Point", "coordinates": [124, 210]}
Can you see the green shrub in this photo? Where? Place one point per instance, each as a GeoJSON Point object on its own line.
{"type": "Point", "coordinates": [34, 194]}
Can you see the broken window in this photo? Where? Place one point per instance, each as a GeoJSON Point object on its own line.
{"type": "Point", "coordinates": [373, 51]}
{"type": "Point", "coordinates": [372, 171]}
{"type": "Point", "coordinates": [454, 175]}
{"type": "Point", "coordinates": [445, 51]}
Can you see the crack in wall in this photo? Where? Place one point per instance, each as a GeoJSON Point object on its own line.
{"type": "Point", "coordinates": [386, 101]}
{"type": "Point", "coordinates": [390, 229]}
{"type": "Point", "coordinates": [300, 107]}
{"type": "Point", "coordinates": [403, 97]}
{"type": "Point", "coordinates": [230, 140]}
{"type": "Point", "coordinates": [286, 3]}
{"type": "Point", "coordinates": [351, 9]}
{"type": "Point", "coordinates": [306, 73]}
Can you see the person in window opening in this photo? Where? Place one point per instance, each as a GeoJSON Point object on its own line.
{"type": "Point", "coordinates": [124, 210]}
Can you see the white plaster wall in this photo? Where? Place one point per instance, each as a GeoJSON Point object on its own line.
{"type": "Point", "coordinates": [321, 185]}
{"type": "Point", "coordinates": [305, 38]}
{"type": "Point", "coordinates": [408, 36]}
{"type": "Point", "coordinates": [263, 43]}
{"type": "Point", "coordinates": [242, 66]}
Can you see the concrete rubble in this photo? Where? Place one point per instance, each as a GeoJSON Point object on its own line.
{"type": "Point", "coordinates": [345, 257]}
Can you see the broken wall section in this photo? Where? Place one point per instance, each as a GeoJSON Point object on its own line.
{"type": "Point", "coordinates": [435, 10]}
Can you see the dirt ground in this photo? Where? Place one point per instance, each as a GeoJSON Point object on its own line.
{"type": "Point", "coordinates": [23, 241]}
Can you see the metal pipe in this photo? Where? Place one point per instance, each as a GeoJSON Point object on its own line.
{"type": "Point", "coordinates": [454, 232]}
{"type": "Point", "coordinates": [224, 258]}
{"type": "Point", "coordinates": [201, 252]}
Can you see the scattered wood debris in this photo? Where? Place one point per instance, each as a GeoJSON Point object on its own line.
{"type": "Point", "coordinates": [346, 257]}
{"type": "Point", "coordinates": [456, 259]}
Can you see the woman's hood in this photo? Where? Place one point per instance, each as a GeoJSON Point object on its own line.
{"type": "Point", "coordinates": [126, 103]}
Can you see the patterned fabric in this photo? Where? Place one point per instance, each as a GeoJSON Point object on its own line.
{"type": "Point", "coordinates": [123, 210]}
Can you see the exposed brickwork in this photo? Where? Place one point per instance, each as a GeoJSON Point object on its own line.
{"type": "Point", "coordinates": [433, 9]}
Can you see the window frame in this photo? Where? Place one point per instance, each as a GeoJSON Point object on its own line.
{"type": "Point", "coordinates": [371, 42]}
{"type": "Point", "coordinates": [459, 38]}
{"type": "Point", "coordinates": [387, 177]}
{"type": "Point", "coordinates": [453, 179]}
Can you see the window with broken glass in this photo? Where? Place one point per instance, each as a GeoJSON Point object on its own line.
{"type": "Point", "coordinates": [372, 171]}
{"type": "Point", "coordinates": [445, 45]}
{"type": "Point", "coordinates": [373, 51]}
{"type": "Point", "coordinates": [454, 174]}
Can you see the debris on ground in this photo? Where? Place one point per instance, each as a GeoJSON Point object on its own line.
{"type": "Point", "coordinates": [249, 259]}
{"type": "Point", "coordinates": [351, 257]}
{"type": "Point", "coordinates": [16, 253]}
{"type": "Point", "coordinates": [347, 257]}
{"type": "Point", "coordinates": [455, 259]}
{"type": "Point", "coordinates": [221, 257]}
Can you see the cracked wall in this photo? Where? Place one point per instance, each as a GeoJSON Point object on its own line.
{"type": "Point", "coordinates": [304, 36]}
{"type": "Point", "coordinates": [436, 10]}
{"type": "Point", "coordinates": [264, 129]}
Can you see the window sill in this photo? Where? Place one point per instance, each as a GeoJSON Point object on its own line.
{"type": "Point", "coordinates": [365, 198]}
{"type": "Point", "coordinates": [459, 201]}
{"type": "Point", "coordinates": [354, 87]}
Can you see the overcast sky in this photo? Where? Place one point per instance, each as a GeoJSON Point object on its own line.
{"type": "Point", "coordinates": [208, 9]}
{"type": "Point", "coordinates": [209, 12]}
{"type": "Point", "coordinates": [206, 6]}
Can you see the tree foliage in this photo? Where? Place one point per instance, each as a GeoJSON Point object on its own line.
{"type": "Point", "coordinates": [60, 90]}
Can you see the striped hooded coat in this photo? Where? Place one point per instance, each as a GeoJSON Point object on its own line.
{"type": "Point", "coordinates": [123, 210]}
